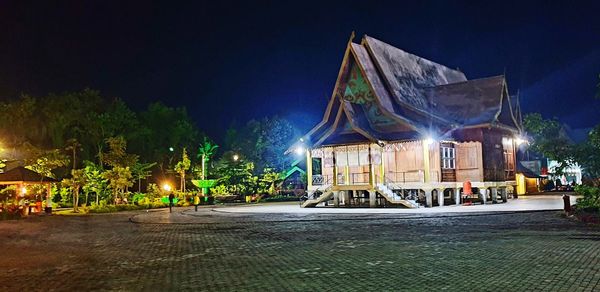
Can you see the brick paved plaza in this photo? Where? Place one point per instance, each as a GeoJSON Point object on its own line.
{"type": "Point", "coordinates": [221, 251]}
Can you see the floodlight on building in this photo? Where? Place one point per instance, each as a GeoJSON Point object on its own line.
{"type": "Point", "coordinates": [300, 150]}
{"type": "Point", "coordinates": [519, 141]}
{"type": "Point", "coordinates": [428, 141]}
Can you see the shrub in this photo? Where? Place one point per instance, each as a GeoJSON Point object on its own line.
{"type": "Point", "coordinates": [590, 197]}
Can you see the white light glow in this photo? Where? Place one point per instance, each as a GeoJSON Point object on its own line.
{"type": "Point", "coordinates": [520, 141]}
{"type": "Point", "coordinates": [428, 141]}
{"type": "Point", "coordinates": [236, 157]}
{"type": "Point", "coordinates": [299, 150]}
{"type": "Point", "coordinates": [167, 187]}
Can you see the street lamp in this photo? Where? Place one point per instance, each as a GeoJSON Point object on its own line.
{"type": "Point", "coordinates": [166, 187]}
{"type": "Point", "coordinates": [236, 157]}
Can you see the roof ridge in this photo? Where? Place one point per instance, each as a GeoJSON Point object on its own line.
{"type": "Point", "coordinates": [466, 81]}
{"type": "Point", "coordinates": [409, 53]}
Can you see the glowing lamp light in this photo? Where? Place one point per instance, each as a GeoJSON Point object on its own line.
{"type": "Point", "coordinates": [23, 191]}
{"type": "Point", "coordinates": [428, 141]}
{"type": "Point", "coordinates": [299, 150]}
{"type": "Point", "coordinates": [236, 157]}
{"type": "Point", "coordinates": [166, 187]}
{"type": "Point", "coordinates": [520, 141]}
{"type": "Point", "coordinates": [171, 149]}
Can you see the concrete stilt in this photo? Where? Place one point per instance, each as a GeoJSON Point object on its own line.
{"type": "Point", "coordinates": [347, 198]}
{"type": "Point", "coordinates": [457, 196]}
{"type": "Point", "coordinates": [428, 198]}
{"type": "Point", "coordinates": [372, 199]}
{"type": "Point", "coordinates": [336, 199]}
{"type": "Point", "coordinates": [483, 193]}
{"type": "Point", "coordinates": [503, 194]}
{"type": "Point", "coordinates": [440, 197]}
{"type": "Point", "coordinates": [494, 193]}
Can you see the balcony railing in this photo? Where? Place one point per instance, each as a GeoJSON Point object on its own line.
{"type": "Point", "coordinates": [319, 180]}
{"type": "Point", "coordinates": [405, 176]}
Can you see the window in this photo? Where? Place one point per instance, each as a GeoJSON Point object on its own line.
{"type": "Point", "coordinates": [448, 158]}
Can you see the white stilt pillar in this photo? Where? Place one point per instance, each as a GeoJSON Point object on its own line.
{"type": "Point", "coordinates": [503, 194]}
{"type": "Point", "coordinates": [494, 193]}
{"type": "Point", "coordinates": [336, 198]}
{"type": "Point", "coordinates": [440, 197]}
{"type": "Point", "coordinates": [372, 199]}
{"type": "Point", "coordinates": [483, 193]}
{"type": "Point", "coordinates": [457, 196]}
{"type": "Point", "coordinates": [428, 198]}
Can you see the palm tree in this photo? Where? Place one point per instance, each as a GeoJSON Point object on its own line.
{"type": "Point", "coordinates": [141, 171]}
{"type": "Point", "coordinates": [205, 152]}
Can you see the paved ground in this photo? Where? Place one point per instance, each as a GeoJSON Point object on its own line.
{"type": "Point", "coordinates": [524, 203]}
{"type": "Point", "coordinates": [219, 251]}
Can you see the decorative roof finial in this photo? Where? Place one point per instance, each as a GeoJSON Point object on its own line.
{"type": "Point", "coordinates": [352, 35]}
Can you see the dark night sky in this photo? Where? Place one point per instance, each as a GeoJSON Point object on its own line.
{"type": "Point", "coordinates": [228, 60]}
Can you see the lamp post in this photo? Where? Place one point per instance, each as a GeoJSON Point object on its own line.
{"type": "Point", "coordinates": [167, 188]}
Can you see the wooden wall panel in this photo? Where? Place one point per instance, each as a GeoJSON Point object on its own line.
{"type": "Point", "coordinates": [469, 162]}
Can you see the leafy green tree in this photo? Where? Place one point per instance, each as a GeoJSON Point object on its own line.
{"type": "Point", "coordinates": [117, 155]}
{"type": "Point", "coordinates": [236, 175]}
{"type": "Point", "coordinates": [268, 179]}
{"type": "Point", "coordinates": [96, 182]}
{"type": "Point", "coordinates": [550, 140]}
{"type": "Point", "coordinates": [162, 128]}
{"type": "Point", "coordinates": [181, 167]}
{"type": "Point", "coordinates": [77, 180]}
{"type": "Point", "coordinates": [141, 171]}
{"type": "Point", "coordinates": [588, 155]}
{"type": "Point", "coordinates": [73, 146]}
{"type": "Point", "coordinates": [44, 162]}
{"type": "Point", "coordinates": [119, 179]}
{"type": "Point", "coordinates": [263, 142]}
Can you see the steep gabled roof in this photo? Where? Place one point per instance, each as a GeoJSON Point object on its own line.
{"type": "Point", "coordinates": [384, 93]}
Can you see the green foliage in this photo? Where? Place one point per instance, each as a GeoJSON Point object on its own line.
{"type": "Point", "coordinates": [96, 183]}
{"type": "Point", "coordinates": [263, 142]}
{"type": "Point", "coordinates": [588, 155]}
{"type": "Point", "coordinates": [119, 179]}
{"type": "Point", "coordinates": [550, 140]}
{"type": "Point", "coordinates": [181, 167]}
{"type": "Point", "coordinates": [44, 162]}
{"type": "Point", "coordinates": [78, 179]}
{"type": "Point", "coordinates": [219, 190]}
{"type": "Point", "coordinates": [590, 196]}
{"type": "Point", "coordinates": [117, 155]}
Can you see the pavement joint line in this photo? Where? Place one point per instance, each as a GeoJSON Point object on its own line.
{"type": "Point", "coordinates": [448, 215]}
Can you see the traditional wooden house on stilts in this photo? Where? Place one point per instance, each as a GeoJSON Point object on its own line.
{"type": "Point", "coordinates": [402, 130]}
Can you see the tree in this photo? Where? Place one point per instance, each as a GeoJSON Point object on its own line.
{"type": "Point", "coordinates": [141, 171]}
{"type": "Point", "coordinates": [205, 153]}
{"type": "Point", "coordinates": [588, 155]}
{"type": "Point", "coordinates": [550, 140]}
{"type": "Point", "coordinates": [181, 167]}
{"type": "Point", "coordinates": [117, 155]}
{"type": "Point", "coordinates": [44, 162]}
{"type": "Point", "coordinates": [263, 142]}
{"type": "Point", "coordinates": [73, 145]}
{"type": "Point", "coordinates": [77, 180]}
{"type": "Point", "coordinates": [119, 179]}
{"type": "Point", "coordinates": [95, 181]}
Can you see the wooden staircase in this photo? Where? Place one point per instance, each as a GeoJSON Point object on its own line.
{"type": "Point", "coordinates": [312, 202]}
{"type": "Point", "coordinates": [391, 197]}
